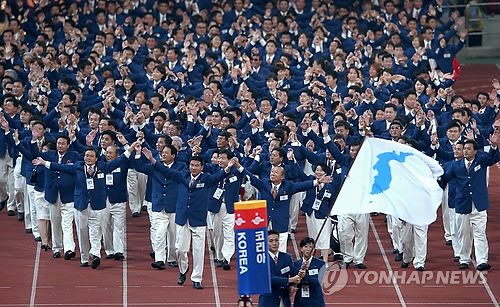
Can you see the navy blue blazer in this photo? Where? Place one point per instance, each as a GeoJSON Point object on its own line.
{"type": "Point", "coordinates": [117, 191]}
{"type": "Point", "coordinates": [280, 272]}
{"type": "Point", "coordinates": [312, 281]}
{"type": "Point", "coordinates": [163, 189]}
{"type": "Point", "coordinates": [326, 195]}
{"type": "Point", "coordinates": [230, 187]}
{"type": "Point", "coordinates": [191, 203]}
{"type": "Point", "coordinates": [59, 183]}
{"type": "Point", "coordinates": [97, 196]}
{"type": "Point", "coordinates": [278, 209]}
{"type": "Point", "coordinates": [471, 185]}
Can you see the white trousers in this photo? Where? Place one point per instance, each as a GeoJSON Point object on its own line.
{"type": "Point", "coordinates": [42, 206]}
{"type": "Point", "coordinates": [88, 227]}
{"type": "Point", "coordinates": [313, 228]}
{"type": "Point", "coordinates": [152, 226]}
{"type": "Point", "coordinates": [414, 242]}
{"type": "Point", "coordinates": [165, 229]}
{"type": "Point", "coordinates": [30, 208]}
{"type": "Point", "coordinates": [475, 223]}
{"type": "Point", "coordinates": [7, 181]}
{"type": "Point", "coordinates": [455, 240]}
{"type": "Point", "coordinates": [113, 227]}
{"type": "Point", "coordinates": [295, 204]}
{"type": "Point", "coordinates": [186, 234]}
{"type": "Point", "coordinates": [224, 234]}
{"type": "Point", "coordinates": [395, 227]}
{"type": "Point", "coordinates": [61, 225]}
{"type": "Point", "coordinates": [354, 227]}
{"type": "Point", "coordinates": [445, 210]}
{"type": "Point", "coordinates": [19, 186]}
{"type": "Point", "coordinates": [136, 186]}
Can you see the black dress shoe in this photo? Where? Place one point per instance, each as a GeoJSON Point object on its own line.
{"type": "Point", "coordinates": [96, 261]}
{"type": "Point", "coordinates": [172, 264]}
{"type": "Point", "coordinates": [219, 263]}
{"type": "Point", "coordinates": [347, 264]}
{"type": "Point", "coordinates": [197, 285]}
{"type": "Point", "coordinates": [420, 268]}
{"type": "Point", "coordinates": [182, 277]}
{"type": "Point", "coordinates": [152, 255]}
{"type": "Point", "coordinates": [395, 251]}
{"type": "Point", "coordinates": [463, 266]}
{"type": "Point", "coordinates": [3, 204]}
{"type": "Point", "coordinates": [136, 214]}
{"type": "Point", "coordinates": [46, 247]}
{"type": "Point", "coordinates": [20, 216]}
{"type": "Point", "coordinates": [38, 239]}
{"type": "Point", "coordinates": [484, 267]}
{"type": "Point", "coordinates": [404, 265]}
{"type": "Point", "coordinates": [144, 208]}
{"type": "Point", "coordinates": [119, 256]}
{"type": "Point", "coordinates": [456, 259]}
{"type": "Point", "coordinates": [225, 265]}
{"type": "Point", "coordinates": [69, 254]}
{"type": "Point", "coordinates": [56, 255]}
{"type": "Point", "coordinates": [84, 264]}
{"type": "Point", "coordinates": [11, 213]}
{"type": "Point", "coordinates": [374, 214]}
{"type": "Point", "coordinates": [399, 257]}
{"type": "Point", "coordinates": [360, 266]}
{"type": "Point", "coordinates": [338, 257]}
{"type": "Point", "coordinates": [160, 265]}
{"type": "Point", "coordinates": [293, 230]}
{"type": "Point", "coordinates": [110, 256]}
{"type": "Point", "coordinates": [29, 230]}
{"type": "Point", "coordinates": [212, 248]}
{"type": "Point", "coordinates": [448, 242]}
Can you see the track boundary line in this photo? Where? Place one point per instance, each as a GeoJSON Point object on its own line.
{"type": "Point", "coordinates": [486, 286]}
{"type": "Point", "coordinates": [125, 272]}
{"type": "Point", "coordinates": [35, 274]}
{"type": "Point", "coordinates": [387, 264]}
{"type": "Point", "coordinates": [214, 273]}
{"type": "Point", "coordinates": [232, 304]}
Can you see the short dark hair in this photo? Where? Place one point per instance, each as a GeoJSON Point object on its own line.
{"type": "Point", "coordinates": [197, 158]}
{"type": "Point", "coordinates": [473, 142]}
{"type": "Point", "coordinates": [306, 241]}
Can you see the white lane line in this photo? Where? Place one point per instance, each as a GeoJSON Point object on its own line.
{"type": "Point", "coordinates": [387, 264]}
{"type": "Point", "coordinates": [125, 280]}
{"type": "Point", "coordinates": [486, 286]}
{"type": "Point", "coordinates": [295, 249]}
{"type": "Point", "coordinates": [212, 269]}
{"type": "Point", "coordinates": [35, 274]}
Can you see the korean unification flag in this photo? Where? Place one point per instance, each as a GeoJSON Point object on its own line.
{"type": "Point", "coordinates": [392, 178]}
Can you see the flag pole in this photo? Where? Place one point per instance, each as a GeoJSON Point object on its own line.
{"type": "Point", "coordinates": [336, 195]}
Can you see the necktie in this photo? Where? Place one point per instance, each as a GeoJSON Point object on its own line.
{"type": "Point", "coordinates": [39, 144]}
{"type": "Point", "coordinates": [469, 163]}
{"type": "Point", "coordinates": [90, 170]}
{"type": "Point", "coordinates": [191, 182]}
{"type": "Point", "coordinates": [276, 259]}
{"type": "Point", "coordinates": [275, 191]}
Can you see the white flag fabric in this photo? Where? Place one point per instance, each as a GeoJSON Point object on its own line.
{"type": "Point", "coordinates": [392, 178]}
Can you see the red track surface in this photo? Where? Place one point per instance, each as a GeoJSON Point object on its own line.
{"type": "Point", "coordinates": [135, 283]}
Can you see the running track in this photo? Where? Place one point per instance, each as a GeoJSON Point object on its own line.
{"type": "Point", "coordinates": [30, 277]}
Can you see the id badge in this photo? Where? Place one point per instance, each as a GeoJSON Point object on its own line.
{"type": "Point", "coordinates": [218, 193]}
{"type": "Point", "coordinates": [316, 204]}
{"type": "Point", "coordinates": [305, 291]}
{"type": "Point", "coordinates": [109, 179]}
{"type": "Point", "coordinates": [90, 184]}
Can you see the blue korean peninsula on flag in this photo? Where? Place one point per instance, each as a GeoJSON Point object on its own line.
{"type": "Point", "coordinates": [392, 178]}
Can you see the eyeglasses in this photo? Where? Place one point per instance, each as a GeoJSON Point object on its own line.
{"type": "Point", "coordinates": [8, 89]}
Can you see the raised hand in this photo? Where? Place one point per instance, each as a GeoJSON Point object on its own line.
{"type": "Point", "coordinates": [325, 179]}
{"type": "Point", "coordinates": [147, 153]}
{"type": "Point", "coordinates": [38, 161]}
